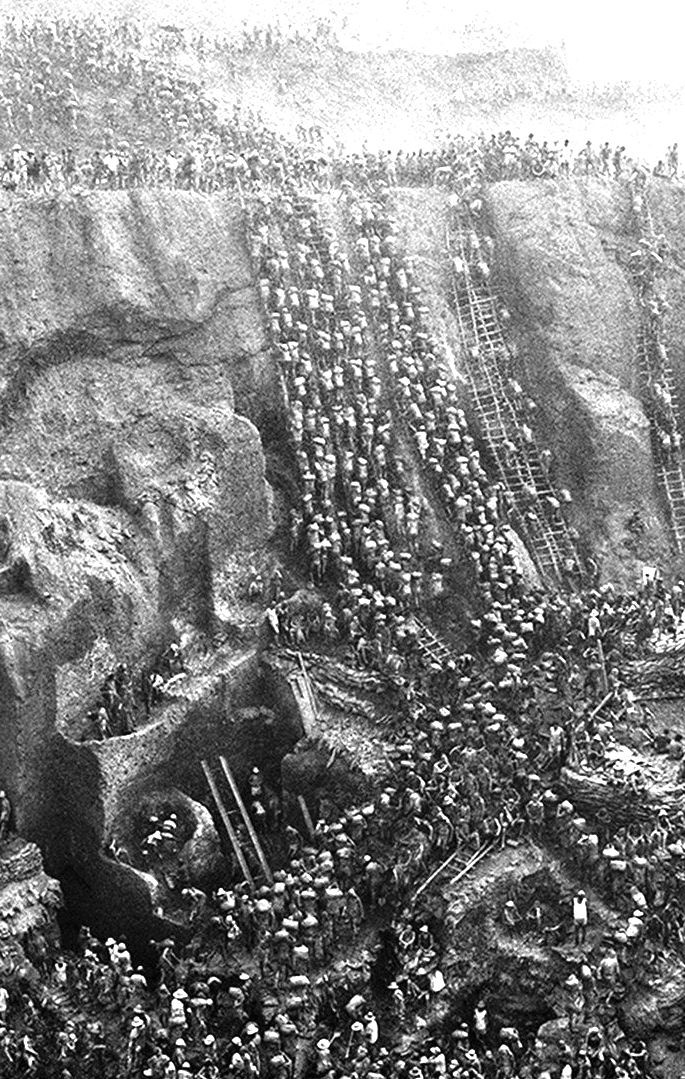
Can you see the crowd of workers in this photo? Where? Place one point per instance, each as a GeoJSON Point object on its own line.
{"type": "Point", "coordinates": [395, 511]}
{"type": "Point", "coordinates": [462, 780]}
{"type": "Point", "coordinates": [479, 743]}
{"type": "Point", "coordinates": [240, 153]}
{"type": "Point", "coordinates": [343, 437]}
{"type": "Point", "coordinates": [56, 66]}
{"type": "Point", "coordinates": [118, 710]}
{"type": "Point", "coordinates": [647, 264]}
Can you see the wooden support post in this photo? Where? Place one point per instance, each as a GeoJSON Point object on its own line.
{"type": "Point", "coordinates": [235, 842]}
{"type": "Point", "coordinates": [600, 653]}
{"type": "Point", "coordinates": [599, 707]}
{"type": "Point", "coordinates": [308, 687]}
{"type": "Point", "coordinates": [248, 821]}
{"type": "Point", "coordinates": [307, 815]}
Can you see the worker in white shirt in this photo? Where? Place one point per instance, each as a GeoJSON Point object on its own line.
{"type": "Point", "coordinates": [579, 917]}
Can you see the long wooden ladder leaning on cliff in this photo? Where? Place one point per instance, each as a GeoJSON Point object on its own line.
{"type": "Point", "coordinates": [484, 324]}
{"type": "Point", "coordinates": [498, 424]}
{"type": "Point", "coordinates": [228, 817]}
{"type": "Point", "coordinates": [668, 466]}
{"type": "Point", "coordinates": [549, 541]}
{"type": "Point", "coordinates": [228, 825]}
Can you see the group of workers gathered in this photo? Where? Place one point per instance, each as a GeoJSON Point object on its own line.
{"type": "Point", "coordinates": [118, 709]}
{"type": "Point", "coordinates": [238, 153]}
{"type": "Point", "coordinates": [479, 743]}
{"type": "Point", "coordinates": [474, 767]}
{"type": "Point", "coordinates": [463, 779]}
{"type": "Point", "coordinates": [55, 68]}
{"type": "Point", "coordinates": [339, 402]}
{"type": "Point", "coordinates": [512, 629]}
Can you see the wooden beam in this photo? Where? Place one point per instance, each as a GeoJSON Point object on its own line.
{"type": "Point", "coordinates": [307, 815]}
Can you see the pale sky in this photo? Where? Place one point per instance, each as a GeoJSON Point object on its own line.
{"type": "Point", "coordinates": [605, 39]}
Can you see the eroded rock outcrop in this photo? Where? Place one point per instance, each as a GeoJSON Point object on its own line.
{"type": "Point", "coordinates": [133, 494]}
{"type": "Point", "coordinates": [29, 900]}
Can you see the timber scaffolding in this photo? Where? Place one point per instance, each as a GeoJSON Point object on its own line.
{"type": "Point", "coordinates": [654, 367]}
{"type": "Point", "coordinates": [546, 534]}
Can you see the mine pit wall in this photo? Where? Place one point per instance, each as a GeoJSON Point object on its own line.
{"type": "Point", "coordinates": [164, 271]}
{"type": "Point", "coordinates": [28, 666]}
{"type": "Point", "coordinates": [11, 692]}
{"type": "Point", "coordinates": [100, 784]}
{"type": "Point", "coordinates": [667, 203]}
{"type": "Point", "coordinates": [116, 900]}
{"type": "Point", "coordinates": [478, 953]}
{"type": "Point", "coordinates": [575, 320]}
{"type": "Point", "coordinates": [129, 329]}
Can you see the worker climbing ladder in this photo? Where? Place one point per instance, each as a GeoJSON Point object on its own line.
{"type": "Point", "coordinates": [655, 370]}
{"type": "Point", "coordinates": [321, 237]}
{"type": "Point", "coordinates": [535, 505]}
{"type": "Point", "coordinates": [235, 820]}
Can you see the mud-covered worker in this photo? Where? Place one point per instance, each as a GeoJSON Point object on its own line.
{"type": "Point", "coordinates": [100, 724]}
{"type": "Point", "coordinates": [580, 915]}
{"type": "Point", "coordinates": [510, 914]}
{"type": "Point", "coordinates": [676, 748]}
{"type": "Point", "coordinates": [480, 1024]}
{"type": "Point", "coordinates": [565, 159]}
{"type": "Point", "coordinates": [5, 815]}
{"type": "Point", "coordinates": [555, 745]}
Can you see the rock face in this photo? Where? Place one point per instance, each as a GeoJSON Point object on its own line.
{"type": "Point", "coordinates": [133, 495]}
{"type": "Point", "coordinates": [558, 266]}
{"type": "Point", "coordinates": [659, 1007]}
{"type": "Point", "coordinates": [29, 898]}
{"type": "Point", "coordinates": [133, 491]}
{"type": "Point", "coordinates": [558, 255]}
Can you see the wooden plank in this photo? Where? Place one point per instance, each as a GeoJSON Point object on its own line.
{"type": "Point", "coordinates": [307, 815]}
